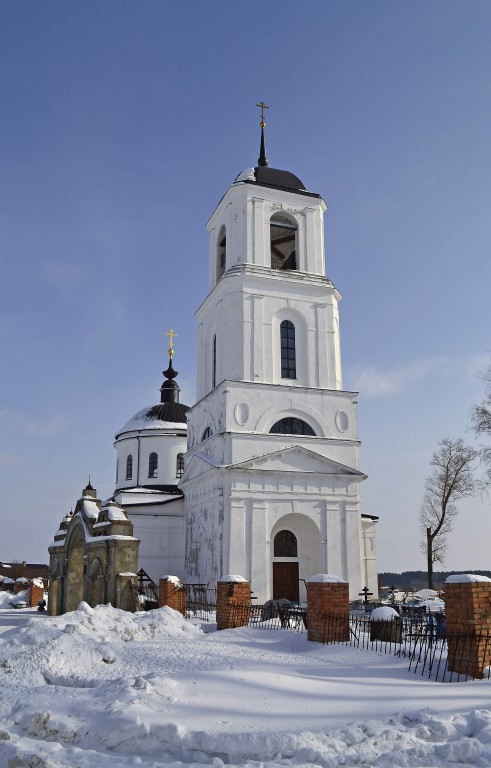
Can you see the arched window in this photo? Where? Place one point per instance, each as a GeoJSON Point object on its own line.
{"type": "Point", "coordinates": [291, 426]}
{"type": "Point", "coordinates": [180, 465]}
{"type": "Point", "coordinates": [129, 467]}
{"type": "Point", "coordinates": [283, 237]}
{"type": "Point", "coordinates": [153, 465]}
{"type": "Point", "coordinates": [285, 544]}
{"type": "Point", "coordinates": [206, 434]}
{"type": "Point", "coordinates": [221, 252]}
{"type": "Point", "coordinates": [288, 357]}
{"type": "Point", "coordinates": [214, 363]}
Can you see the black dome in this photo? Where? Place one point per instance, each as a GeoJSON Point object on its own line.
{"type": "Point", "coordinates": [273, 177]}
{"type": "Point", "coordinates": [175, 413]}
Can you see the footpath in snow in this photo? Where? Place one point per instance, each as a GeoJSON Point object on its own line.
{"type": "Point", "coordinates": [107, 689]}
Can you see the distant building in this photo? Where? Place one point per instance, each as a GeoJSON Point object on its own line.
{"type": "Point", "coordinates": [28, 570]}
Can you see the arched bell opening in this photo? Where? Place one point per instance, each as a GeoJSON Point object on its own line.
{"type": "Point", "coordinates": [283, 241]}
{"type": "Point", "coordinates": [221, 253]}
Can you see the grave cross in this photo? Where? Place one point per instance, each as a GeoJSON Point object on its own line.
{"type": "Point", "coordinates": [365, 593]}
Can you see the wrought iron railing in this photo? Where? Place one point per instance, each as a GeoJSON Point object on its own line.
{"type": "Point", "coordinates": [422, 640]}
{"type": "Point", "coordinates": [201, 601]}
{"type": "Point", "coordinates": [269, 617]}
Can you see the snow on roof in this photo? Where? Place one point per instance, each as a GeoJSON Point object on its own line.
{"type": "Point", "coordinates": [326, 578]}
{"type": "Point", "coordinates": [424, 594]}
{"type": "Point", "coordinates": [246, 175]}
{"type": "Point", "coordinates": [90, 508]}
{"type": "Point", "coordinates": [141, 421]}
{"type": "Point", "coordinates": [114, 513]}
{"type": "Point", "coordinates": [465, 578]}
{"type": "Point", "coordinates": [38, 582]}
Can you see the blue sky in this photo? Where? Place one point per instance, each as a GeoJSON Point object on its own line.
{"type": "Point", "coordinates": [123, 123]}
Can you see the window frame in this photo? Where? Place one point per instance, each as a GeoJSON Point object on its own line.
{"type": "Point", "coordinates": [129, 467]}
{"type": "Point", "coordinates": [288, 351]}
{"type": "Point", "coordinates": [306, 430]}
{"type": "Point", "coordinates": [179, 465]}
{"type": "Point", "coordinates": [153, 465]}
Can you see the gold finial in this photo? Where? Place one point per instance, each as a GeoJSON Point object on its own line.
{"type": "Point", "coordinates": [171, 334]}
{"type": "Point", "coordinates": [262, 106]}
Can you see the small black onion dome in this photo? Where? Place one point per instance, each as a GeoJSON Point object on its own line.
{"type": "Point", "coordinates": [169, 408]}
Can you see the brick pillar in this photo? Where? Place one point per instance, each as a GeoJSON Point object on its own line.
{"type": "Point", "coordinates": [468, 623]}
{"type": "Point", "coordinates": [233, 602]}
{"type": "Point", "coordinates": [36, 593]}
{"type": "Point", "coordinates": [20, 585]}
{"type": "Point", "coordinates": [327, 595]}
{"type": "Point", "coordinates": [171, 593]}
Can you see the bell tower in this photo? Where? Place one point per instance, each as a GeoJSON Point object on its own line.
{"type": "Point", "coordinates": [272, 439]}
{"type": "Point", "coordinates": [267, 266]}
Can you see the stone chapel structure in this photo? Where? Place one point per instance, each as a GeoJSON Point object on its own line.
{"type": "Point", "coordinates": [261, 477]}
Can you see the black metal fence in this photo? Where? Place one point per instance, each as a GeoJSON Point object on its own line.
{"type": "Point", "coordinates": [269, 616]}
{"type": "Point", "coordinates": [201, 602]}
{"type": "Point", "coordinates": [422, 640]}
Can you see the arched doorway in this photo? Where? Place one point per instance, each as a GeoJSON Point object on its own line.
{"type": "Point", "coordinates": [75, 577]}
{"type": "Point", "coordinates": [296, 554]}
{"type": "Point", "coordinates": [285, 572]}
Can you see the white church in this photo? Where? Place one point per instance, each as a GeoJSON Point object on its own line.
{"type": "Point", "coordinates": [261, 477]}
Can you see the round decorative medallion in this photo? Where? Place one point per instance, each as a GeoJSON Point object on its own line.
{"type": "Point", "coordinates": [342, 421]}
{"type": "Point", "coordinates": [241, 413]}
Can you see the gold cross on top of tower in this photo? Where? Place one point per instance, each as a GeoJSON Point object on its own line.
{"type": "Point", "coordinates": [171, 334]}
{"type": "Point", "coordinates": [262, 106]}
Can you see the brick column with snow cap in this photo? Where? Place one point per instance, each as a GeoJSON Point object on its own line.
{"type": "Point", "coordinates": [233, 602]}
{"type": "Point", "coordinates": [36, 592]}
{"type": "Point", "coordinates": [327, 595]}
{"type": "Point", "coordinates": [172, 593]}
{"type": "Point", "coordinates": [468, 624]}
{"type": "Point", "coordinates": [21, 584]}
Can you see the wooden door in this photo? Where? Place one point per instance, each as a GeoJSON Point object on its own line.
{"type": "Point", "coordinates": [285, 581]}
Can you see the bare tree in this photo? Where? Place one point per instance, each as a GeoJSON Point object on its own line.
{"type": "Point", "coordinates": [481, 421]}
{"type": "Point", "coordinates": [452, 479]}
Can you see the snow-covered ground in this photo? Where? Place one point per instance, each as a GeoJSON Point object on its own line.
{"type": "Point", "coordinates": [107, 689]}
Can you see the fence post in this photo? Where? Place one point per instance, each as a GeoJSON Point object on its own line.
{"type": "Point", "coordinates": [172, 593]}
{"type": "Point", "coordinates": [233, 602]}
{"type": "Point", "coordinates": [327, 594]}
{"type": "Point", "coordinates": [468, 623]}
